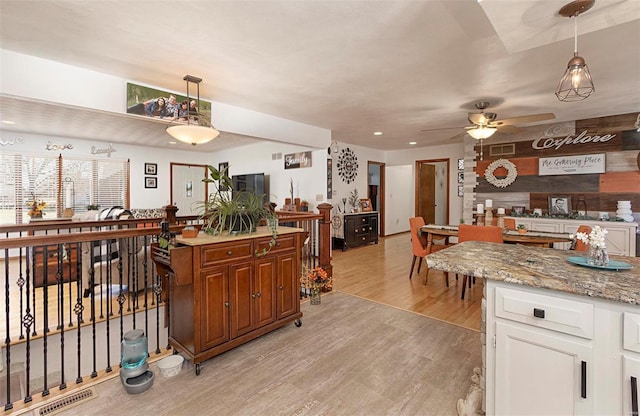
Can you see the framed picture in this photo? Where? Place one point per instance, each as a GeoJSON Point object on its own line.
{"type": "Point", "coordinates": [559, 205]}
{"type": "Point", "coordinates": [150, 168]}
{"type": "Point", "coordinates": [460, 190]}
{"type": "Point", "coordinates": [517, 210]}
{"type": "Point", "coordinates": [460, 164]}
{"type": "Point", "coordinates": [150, 182]}
{"type": "Point", "coordinates": [365, 205]}
{"type": "Point", "coordinates": [460, 177]}
{"type": "Point", "coordinates": [224, 166]}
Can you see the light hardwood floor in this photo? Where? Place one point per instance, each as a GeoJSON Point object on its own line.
{"type": "Point", "coordinates": [380, 272]}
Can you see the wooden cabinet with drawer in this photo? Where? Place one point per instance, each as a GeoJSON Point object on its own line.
{"type": "Point", "coordinates": [357, 229]}
{"type": "Point", "coordinates": [235, 294]}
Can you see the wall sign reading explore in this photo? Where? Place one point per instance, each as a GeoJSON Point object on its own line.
{"type": "Point", "coordinates": [571, 165]}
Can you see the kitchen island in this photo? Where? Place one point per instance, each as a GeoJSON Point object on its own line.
{"type": "Point", "coordinates": [559, 338]}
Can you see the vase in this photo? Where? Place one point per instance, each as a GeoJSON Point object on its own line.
{"type": "Point", "coordinates": [597, 256]}
{"type": "Point", "coordinates": [36, 214]}
{"type": "Point", "coordinates": [315, 296]}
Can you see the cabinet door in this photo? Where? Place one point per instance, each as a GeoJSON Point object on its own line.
{"type": "Point", "coordinates": [631, 375]}
{"type": "Point", "coordinates": [214, 327]}
{"type": "Point", "coordinates": [240, 298]}
{"type": "Point", "coordinates": [264, 304]}
{"type": "Point", "coordinates": [350, 227]}
{"type": "Point", "coordinates": [288, 293]}
{"type": "Point", "coordinates": [541, 373]}
{"type": "Point", "coordinates": [373, 228]}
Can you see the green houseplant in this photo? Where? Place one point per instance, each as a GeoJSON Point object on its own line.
{"type": "Point", "coordinates": [238, 212]}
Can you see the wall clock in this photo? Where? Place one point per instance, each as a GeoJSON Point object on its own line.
{"type": "Point", "coordinates": [347, 165]}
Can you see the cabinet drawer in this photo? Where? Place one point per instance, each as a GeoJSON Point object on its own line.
{"type": "Point", "coordinates": [542, 311]}
{"type": "Point", "coordinates": [211, 255]}
{"type": "Point", "coordinates": [631, 332]}
{"type": "Point", "coordinates": [283, 243]}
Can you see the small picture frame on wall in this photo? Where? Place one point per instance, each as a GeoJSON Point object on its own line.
{"type": "Point", "coordinates": [460, 190]}
{"type": "Point", "coordinates": [460, 164]}
{"type": "Point", "coordinates": [150, 182]}
{"type": "Point", "coordinates": [365, 205]}
{"type": "Point", "coordinates": [560, 205]}
{"type": "Point", "coordinates": [517, 210]}
{"type": "Point", "coordinates": [150, 168]}
{"type": "Point", "coordinates": [460, 177]}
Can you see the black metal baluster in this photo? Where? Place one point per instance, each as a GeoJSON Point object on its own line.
{"type": "Point", "coordinates": [45, 318]}
{"type": "Point", "coordinates": [7, 341]}
{"type": "Point", "coordinates": [27, 321]}
{"type": "Point", "coordinates": [20, 282]}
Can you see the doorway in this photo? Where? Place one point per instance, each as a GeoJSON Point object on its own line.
{"type": "Point", "coordinates": [375, 190]}
{"type": "Point", "coordinates": [432, 191]}
{"type": "Point", "coordinates": [187, 188]}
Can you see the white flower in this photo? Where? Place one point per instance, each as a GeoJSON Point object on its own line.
{"type": "Point", "coordinates": [596, 238]}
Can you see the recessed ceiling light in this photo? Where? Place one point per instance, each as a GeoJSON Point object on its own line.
{"type": "Point", "coordinates": [8, 122]}
{"type": "Point", "coordinates": [412, 143]}
{"type": "Point", "coordinates": [377, 133]}
{"type": "Point", "coordinates": [172, 142]}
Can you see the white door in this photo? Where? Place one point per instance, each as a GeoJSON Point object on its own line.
{"type": "Point", "coordinates": [187, 188]}
{"type": "Point", "coordinates": [541, 374]}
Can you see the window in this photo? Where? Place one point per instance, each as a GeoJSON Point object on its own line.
{"type": "Point", "coordinates": [69, 182]}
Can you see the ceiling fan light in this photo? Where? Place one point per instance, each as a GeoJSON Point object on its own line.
{"type": "Point", "coordinates": [576, 84]}
{"type": "Point", "coordinates": [482, 132]}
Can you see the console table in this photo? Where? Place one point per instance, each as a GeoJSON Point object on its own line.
{"type": "Point", "coordinates": [352, 230]}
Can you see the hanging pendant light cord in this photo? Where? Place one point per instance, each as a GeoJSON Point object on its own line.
{"type": "Point", "coordinates": [575, 35]}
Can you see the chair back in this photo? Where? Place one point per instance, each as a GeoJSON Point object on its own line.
{"type": "Point", "coordinates": [490, 233]}
{"type": "Point", "coordinates": [419, 249]}
{"type": "Point", "coordinates": [581, 246]}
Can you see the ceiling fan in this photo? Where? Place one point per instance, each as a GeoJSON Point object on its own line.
{"type": "Point", "coordinates": [487, 123]}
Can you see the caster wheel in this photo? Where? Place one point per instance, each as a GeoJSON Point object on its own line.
{"type": "Point", "coordinates": [298, 323]}
{"type": "Point", "coordinates": [198, 368]}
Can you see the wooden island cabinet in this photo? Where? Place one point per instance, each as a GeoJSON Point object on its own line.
{"type": "Point", "coordinates": [222, 293]}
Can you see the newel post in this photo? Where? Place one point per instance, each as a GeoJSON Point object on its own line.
{"type": "Point", "coordinates": [324, 226]}
{"type": "Point", "coordinates": [170, 213]}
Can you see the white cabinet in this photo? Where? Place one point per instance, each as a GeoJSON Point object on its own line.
{"type": "Point", "coordinates": [620, 238]}
{"type": "Point", "coordinates": [541, 373]}
{"type": "Point", "coordinates": [555, 353]}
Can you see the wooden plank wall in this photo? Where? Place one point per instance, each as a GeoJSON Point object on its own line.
{"type": "Point", "coordinates": [601, 192]}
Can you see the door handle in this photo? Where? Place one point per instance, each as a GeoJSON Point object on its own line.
{"type": "Point", "coordinates": [583, 384]}
{"type": "Point", "coordinates": [634, 395]}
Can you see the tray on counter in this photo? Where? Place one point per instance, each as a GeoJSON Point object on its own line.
{"type": "Point", "coordinates": [613, 264]}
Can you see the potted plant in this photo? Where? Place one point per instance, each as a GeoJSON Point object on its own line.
{"type": "Point", "coordinates": [522, 229]}
{"type": "Point", "coordinates": [238, 212]}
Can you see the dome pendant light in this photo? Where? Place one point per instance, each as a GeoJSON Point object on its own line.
{"type": "Point", "coordinates": [576, 84]}
{"type": "Point", "coordinates": [196, 130]}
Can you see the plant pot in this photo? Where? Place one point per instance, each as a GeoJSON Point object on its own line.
{"type": "Point", "coordinates": [522, 230]}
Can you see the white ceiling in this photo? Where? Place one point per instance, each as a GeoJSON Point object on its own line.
{"type": "Point", "coordinates": [353, 67]}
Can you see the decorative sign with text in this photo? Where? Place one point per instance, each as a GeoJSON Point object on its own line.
{"type": "Point", "coordinates": [571, 165]}
{"type": "Point", "coordinates": [297, 160]}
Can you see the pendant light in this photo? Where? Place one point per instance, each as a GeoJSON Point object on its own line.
{"type": "Point", "coordinates": [196, 130]}
{"type": "Point", "coordinates": [576, 84]}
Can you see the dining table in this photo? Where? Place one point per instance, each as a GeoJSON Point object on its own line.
{"type": "Point", "coordinates": [529, 238]}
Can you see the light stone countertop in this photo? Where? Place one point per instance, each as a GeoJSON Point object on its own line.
{"type": "Point", "coordinates": [541, 268]}
{"type": "Point", "coordinates": [203, 239]}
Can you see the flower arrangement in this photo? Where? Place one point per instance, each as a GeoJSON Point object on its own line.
{"type": "Point", "coordinates": [596, 238]}
{"type": "Point", "coordinates": [315, 279]}
{"type": "Point", "coordinates": [36, 207]}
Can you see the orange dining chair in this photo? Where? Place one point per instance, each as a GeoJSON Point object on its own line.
{"type": "Point", "coordinates": [420, 246]}
{"type": "Point", "coordinates": [490, 233]}
{"type": "Point", "coordinates": [579, 245]}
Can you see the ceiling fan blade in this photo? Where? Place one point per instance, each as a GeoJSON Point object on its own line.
{"type": "Point", "coordinates": [443, 128]}
{"type": "Point", "coordinates": [509, 129]}
{"type": "Point", "coordinates": [477, 118]}
{"type": "Point", "coordinates": [458, 136]}
{"type": "Point", "coordinates": [523, 119]}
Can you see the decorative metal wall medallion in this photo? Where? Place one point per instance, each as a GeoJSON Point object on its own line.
{"type": "Point", "coordinates": [347, 165]}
